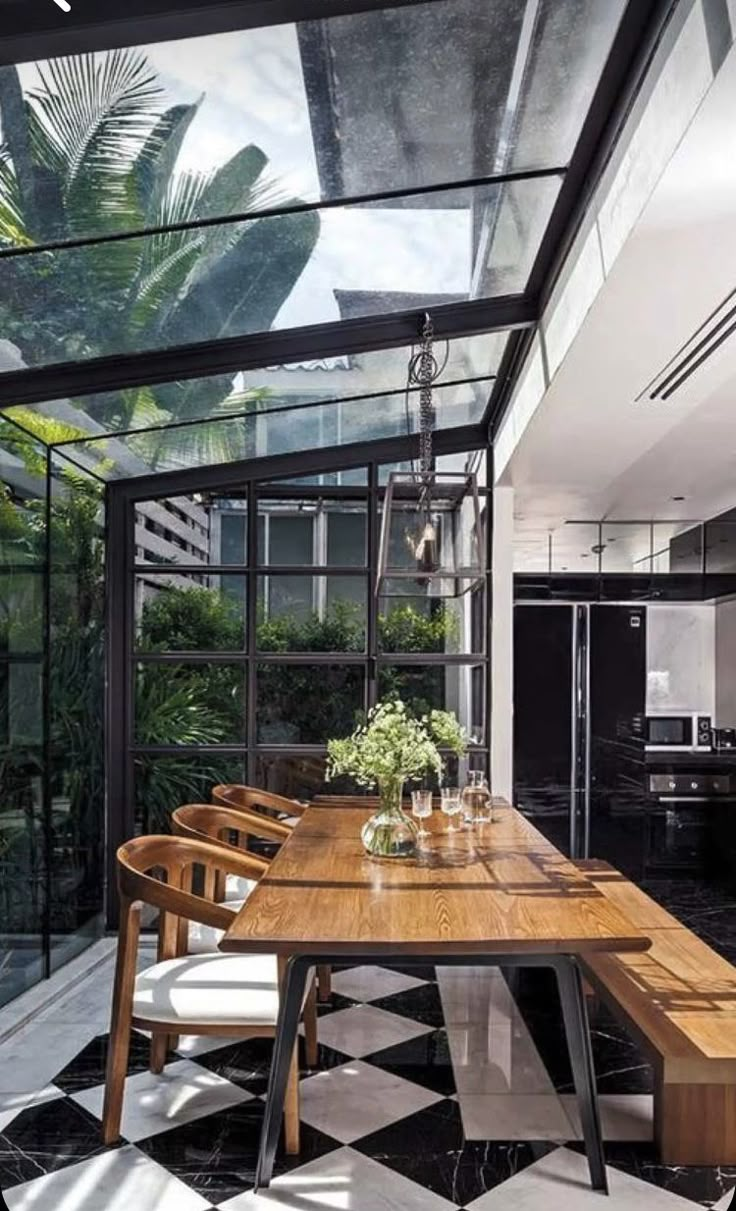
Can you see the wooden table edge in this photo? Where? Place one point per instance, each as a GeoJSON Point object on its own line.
{"type": "Point", "coordinates": [571, 946]}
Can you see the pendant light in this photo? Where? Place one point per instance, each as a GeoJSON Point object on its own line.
{"type": "Point", "coordinates": [432, 533]}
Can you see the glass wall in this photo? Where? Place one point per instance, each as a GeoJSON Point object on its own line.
{"type": "Point", "coordinates": [259, 636]}
{"type": "Point", "coordinates": [51, 711]}
{"type": "Point", "coordinates": [76, 716]}
{"type": "Point", "coordinates": [23, 866]}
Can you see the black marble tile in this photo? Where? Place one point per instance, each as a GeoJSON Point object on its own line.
{"type": "Point", "coordinates": [217, 1155]}
{"type": "Point", "coordinates": [425, 1061]}
{"type": "Point", "coordinates": [620, 1066]}
{"type": "Point", "coordinates": [700, 1184]}
{"type": "Point", "coordinates": [430, 1148]}
{"type": "Point", "coordinates": [421, 1004]}
{"type": "Point", "coordinates": [247, 1063]}
{"type": "Point", "coordinates": [46, 1138]}
{"type": "Point", "coordinates": [87, 1070]}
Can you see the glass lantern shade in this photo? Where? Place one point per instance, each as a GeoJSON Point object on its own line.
{"type": "Point", "coordinates": [432, 541]}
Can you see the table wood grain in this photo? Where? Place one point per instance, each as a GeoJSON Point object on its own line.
{"type": "Point", "coordinates": [499, 888]}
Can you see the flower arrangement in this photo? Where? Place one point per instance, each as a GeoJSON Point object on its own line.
{"type": "Point", "coordinates": [393, 747]}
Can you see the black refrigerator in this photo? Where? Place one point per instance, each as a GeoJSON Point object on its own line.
{"type": "Point", "coordinates": [579, 704]}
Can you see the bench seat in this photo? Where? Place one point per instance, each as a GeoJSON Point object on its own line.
{"type": "Point", "coordinates": [679, 1001]}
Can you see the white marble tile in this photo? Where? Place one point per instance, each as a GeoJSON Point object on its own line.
{"type": "Point", "coordinates": [474, 995]}
{"type": "Point", "coordinates": [192, 1045]}
{"type": "Point", "coordinates": [30, 1059]}
{"type": "Point", "coordinates": [123, 1180]}
{"type": "Point", "coordinates": [496, 1058]}
{"type": "Point", "coordinates": [356, 1099]}
{"type": "Point", "coordinates": [561, 1182]}
{"type": "Point", "coordinates": [13, 1104]}
{"type": "Point", "coordinates": [726, 1203]}
{"type": "Point", "coordinates": [624, 1116]}
{"type": "Point", "coordinates": [370, 983]}
{"type": "Point", "coordinates": [342, 1181]}
{"type": "Point", "coordinates": [514, 1116]}
{"type": "Point", "coordinates": [363, 1029]}
{"type": "Point", "coordinates": [183, 1092]}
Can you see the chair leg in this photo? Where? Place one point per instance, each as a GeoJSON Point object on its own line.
{"type": "Point", "coordinates": [324, 975]}
{"type": "Point", "coordinates": [159, 1045]}
{"type": "Point", "coordinates": [122, 1017]}
{"type": "Point", "coordinates": [310, 1026]}
{"type": "Point", "coordinates": [292, 1130]}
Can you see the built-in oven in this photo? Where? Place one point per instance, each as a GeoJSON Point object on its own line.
{"type": "Point", "coordinates": [681, 818]}
{"type": "Point", "coordinates": [662, 733]}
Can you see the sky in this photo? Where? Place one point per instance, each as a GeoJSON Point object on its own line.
{"type": "Point", "coordinates": [252, 90]}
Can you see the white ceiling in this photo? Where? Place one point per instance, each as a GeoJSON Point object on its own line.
{"type": "Point", "coordinates": [591, 450]}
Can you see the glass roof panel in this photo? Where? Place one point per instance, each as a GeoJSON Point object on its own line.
{"type": "Point", "coordinates": [231, 280]}
{"type": "Point", "coordinates": [336, 378]}
{"type": "Point", "coordinates": [402, 98]}
{"type": "Point", "coordinates": [310, 427]}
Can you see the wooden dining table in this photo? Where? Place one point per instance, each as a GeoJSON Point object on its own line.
{"type": "Point", "coordinates": [496, 894]}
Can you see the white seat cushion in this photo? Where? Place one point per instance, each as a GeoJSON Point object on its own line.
{"type": "Point", "coordinates": [217, 989]}
{"type": "Point", "coordinates": [238, 888]}
{"type": "Point", "coordinates": [205, 939]}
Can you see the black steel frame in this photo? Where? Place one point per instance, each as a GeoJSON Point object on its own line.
{"type": "Point", "coordinates": [257, 480]}
{"type": "Point", "coordinates": [40, 31]}
{"type": "Point", "coordinates": [574, 1012]}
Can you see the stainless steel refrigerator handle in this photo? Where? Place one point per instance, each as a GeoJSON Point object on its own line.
{"type": "Point", "coordinates": [587, 718]}
{"type": "Point", "coordinates": [574, 739]}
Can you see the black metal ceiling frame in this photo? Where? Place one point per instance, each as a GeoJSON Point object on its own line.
{"type": "Point", "coordinates": [640, 29]}
{"type": "Point", "coordinates": [30, 32]}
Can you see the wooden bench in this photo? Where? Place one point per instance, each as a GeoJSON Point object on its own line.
{"type": "Point", "coordinates": [679, 1001]}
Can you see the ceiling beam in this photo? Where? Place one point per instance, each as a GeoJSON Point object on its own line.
{"type": "Point", "coordinates": [254, 352]}
{"type": "Point", "coordinates": [40, 30]}
{"type": "Point", "coordinates": [302, 462]}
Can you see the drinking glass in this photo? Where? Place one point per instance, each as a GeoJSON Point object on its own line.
{"type": "Point", "coordinates": [421, 807]}
{"type": "Point", "coordinates": [451, 801]}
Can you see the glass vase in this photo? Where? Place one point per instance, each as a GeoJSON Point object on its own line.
{"type": "Point", "coordinates": [390, 833]}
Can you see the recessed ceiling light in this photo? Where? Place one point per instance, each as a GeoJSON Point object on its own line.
{"type": "Point", "coordinates": [678, 498]}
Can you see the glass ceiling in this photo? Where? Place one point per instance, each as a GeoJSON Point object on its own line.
{"type": "Point", "coordinates": [277, 178]}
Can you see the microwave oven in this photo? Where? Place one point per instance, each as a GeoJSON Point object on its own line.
{"type": "Point", "coordinates": [665, 732]}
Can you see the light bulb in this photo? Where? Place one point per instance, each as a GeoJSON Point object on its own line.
{"type": "Point", "coordinates": [426, 549]}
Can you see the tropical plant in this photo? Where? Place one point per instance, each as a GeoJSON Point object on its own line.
{"type": "Point", "coordinates": [92, 150]}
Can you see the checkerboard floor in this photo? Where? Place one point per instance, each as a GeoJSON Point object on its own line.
{"type": "Point", "coordinates": [435, 1089]}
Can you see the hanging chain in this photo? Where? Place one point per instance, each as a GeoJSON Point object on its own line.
{"type": "Point", "coordinates": [426, 376]}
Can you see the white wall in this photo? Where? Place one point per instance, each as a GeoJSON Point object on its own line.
{"type": "Point", "coordinates": [681, 659]}
{"type": "Point", "coordinates": [502, 644]}
{"type": "Point", "coordinates": [726, 664]}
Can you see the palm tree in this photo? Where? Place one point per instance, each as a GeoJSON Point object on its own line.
{"type": "Point", "coordinates": [93, 150]}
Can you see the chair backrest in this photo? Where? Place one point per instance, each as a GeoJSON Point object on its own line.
{"type": "Point", "coordinates": [250, 798]}
{"type": "Point", "coordinates": [175, 857]}
{"type": "Point", "coordinates": [205, 822]}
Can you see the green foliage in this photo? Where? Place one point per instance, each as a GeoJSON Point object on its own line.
{"type": "Point", "coordinates": [341, 629]}
{"type": "Point", "coordinates": [196, 619]}
{"type": "Point", "coordinates": [94, 150]}
{"type": "Point", "coordinates": [405, 629]}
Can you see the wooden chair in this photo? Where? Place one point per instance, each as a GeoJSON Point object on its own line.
{"type": "Point", "coordinates": [204, 822]}
{"type": "Point", "coordinates": [251, 799]}
{"type": "Point", "coordinates": [208, 994]}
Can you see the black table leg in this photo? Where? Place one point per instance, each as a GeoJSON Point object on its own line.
{"type": "Point", "coordinates": [577, 1029]}
{"type": "Point", "coordinates": [292, 998]}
